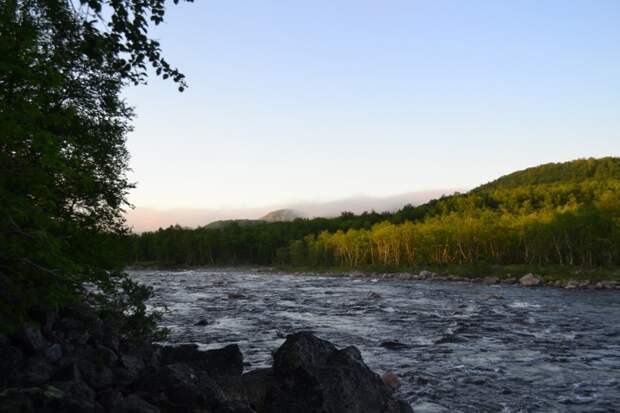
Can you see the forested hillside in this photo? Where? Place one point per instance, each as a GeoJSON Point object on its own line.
{"type": "Point", "coordinates": [561, 213]}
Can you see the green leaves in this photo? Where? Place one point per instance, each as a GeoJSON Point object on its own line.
{"type": "Point", "coordinates": [63, 158]}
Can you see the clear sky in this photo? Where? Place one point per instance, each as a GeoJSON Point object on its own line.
{"type": "Point", "coordinates": [320, 100]}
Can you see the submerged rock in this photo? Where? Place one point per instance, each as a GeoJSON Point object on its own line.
{"type": "Point", "coordinates": [393, 345]}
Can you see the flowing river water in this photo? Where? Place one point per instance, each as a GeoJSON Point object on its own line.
{"type": "Point", "coordinates": [462, 347]}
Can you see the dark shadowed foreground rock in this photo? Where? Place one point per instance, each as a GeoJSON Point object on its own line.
{"type": "Point", "coordinates": [82, 364]}
{"type": "Point", "coordinates": [311, 375]}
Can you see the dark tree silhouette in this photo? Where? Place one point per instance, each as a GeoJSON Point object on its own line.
{"type": "Point", "coordinates": [63, 158]}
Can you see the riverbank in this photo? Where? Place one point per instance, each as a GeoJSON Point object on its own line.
{"type": "Point", "coordinates": [541, 276]}
{"type": "Point", "coordinates": [77, 362]}
{"type": "Point", "coordinates": [527, 276]}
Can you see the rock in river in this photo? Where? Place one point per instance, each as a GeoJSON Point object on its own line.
{"type": "Point", "coordinates": [530, 280]}
{"type": "Point", "coordinates": [312, 376]}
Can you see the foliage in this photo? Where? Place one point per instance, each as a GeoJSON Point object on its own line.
{"type": "Point", "coordinates": [566, 214]}
{"type": "Point", "coordinates": [62, 150]}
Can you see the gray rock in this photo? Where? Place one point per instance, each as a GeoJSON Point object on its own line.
{"type": "Point", "coordinates": [571, 284]}
{"type": "Point", "coordinates": [184, 388]}
{"type": "Point", "coordinates": [227, 361]}
{"type": "Point", "coordinates": [11, 362]}
{"type": "Point", "coordinates": [32, 339]}
{"type": "Point", "coordinates": [98, 376]}
{"type": "Point", "coordinates": [110, 399]}
{"type": "Point", "coordinates": [67, 370]}
{"type": "Point", "coordinates": [250, 389]}
{"type": "Point", "coordinates": [391, 379]}
{"type": "Point", "coordinates": [37, 371]}
{"type": "Point", "coordinates": [134, 404]}
{"type": "Point", "coordinates": [530, 280]}
{"type": "Point", "coordinates": [312, 375]}
{"type": "Point", "coordinates": [78, 397]}
{"type": "Point", "coordinates": [256, 384]}
{"type": "Point", "coordinates": [133, 366]}
{"type": "Point", "coordinates": [53, 353]}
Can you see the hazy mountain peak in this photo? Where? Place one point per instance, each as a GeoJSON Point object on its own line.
{"type": "Point", "coordinates": [280, 215]}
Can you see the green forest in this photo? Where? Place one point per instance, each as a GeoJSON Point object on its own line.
{"type": "Point", "coordinates": [555, 214]}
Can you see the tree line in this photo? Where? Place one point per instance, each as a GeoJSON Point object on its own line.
{"type": "Point", "coordinates": [573, 219]}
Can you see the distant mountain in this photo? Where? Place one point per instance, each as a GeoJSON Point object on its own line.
{"type": "Point", "coordinates": [279, 215]}
{"type": "Point", "coordinates": [223, 223]}
{"type": "Point", "coordinates": [282, 215]}
{"type": "Point", "coordinates": [150, 219]}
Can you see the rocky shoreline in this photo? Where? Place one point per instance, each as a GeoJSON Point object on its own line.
{"type": "Point", "coordinates": [77, 362]}
{"type": "Point", "coordinates": [527, 280]}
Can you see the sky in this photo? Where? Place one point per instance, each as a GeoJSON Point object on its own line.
{"type": "Point", "coordinates": [315, 101]}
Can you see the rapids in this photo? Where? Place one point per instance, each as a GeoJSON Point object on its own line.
{"type": "Point", "coordinates": [455, 346]}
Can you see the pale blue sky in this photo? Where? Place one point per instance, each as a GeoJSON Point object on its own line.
{"type": "Point", "coordinates": [320, 100]}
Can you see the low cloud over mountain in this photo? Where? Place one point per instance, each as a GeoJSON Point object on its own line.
{"type": "Point", "coordinates": [148, 219]}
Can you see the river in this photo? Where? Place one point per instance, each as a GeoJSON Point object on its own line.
{"type": "Point", "coordinates": [464, 347]}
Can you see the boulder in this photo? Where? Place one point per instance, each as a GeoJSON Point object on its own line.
{"type": "Point", "coordinates": [111, 399]}
{"type": "Point", "coordinates": [530, 280]}
{"type": "Point", "coordinates": [227, 361]}
{"type": "Point", "coordinates": [255, 386]}
{"type": "Point", "coordinates": [250, 389]}
{"type": "Point", "coordinates": [134, 404]}
{"type": "Point", "coordinates": [32, 340]}
{"type": "Point", "coordinates": [312, 375]}
{"type": "Point", "coordinates": [37, 371]}
{"type": "Point", "coordinates": [374, 295]}
{"type": "Point", "coordinates": [131, 366]}
{"type": "Point", "coordinates": [97, 375]}
{"type": "Point", "coordinates": [76, 397]}
{"type": "Point", "coordinates": [391, 379]}
{"type": "Point", "coordinates": [571, 284]}
{"type": "Point", "coordinates": [53, 353]}
{"type": "Point", "coordinates": [178, 387]}
{"type": "Point", "coordinates": [11, 361]}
